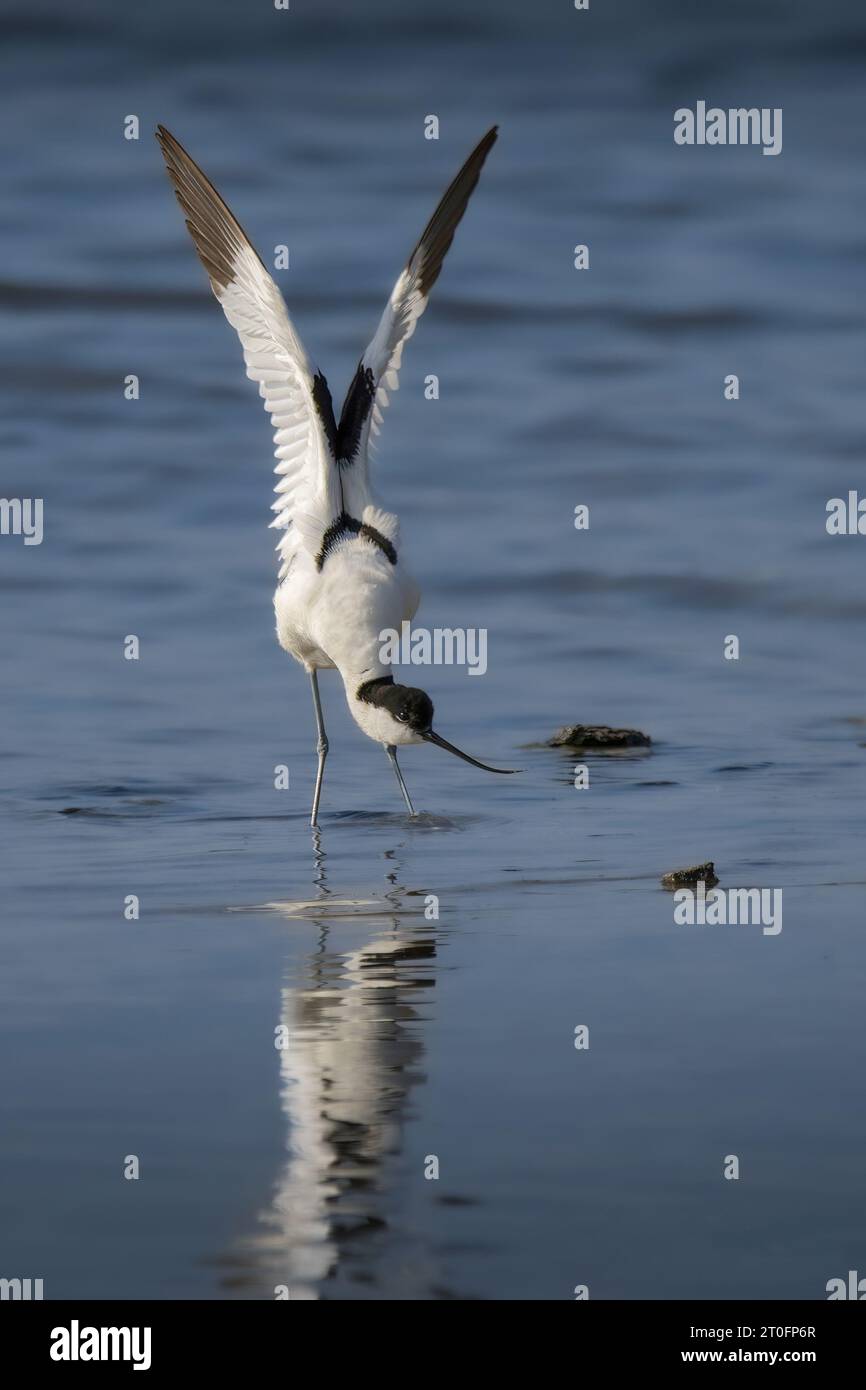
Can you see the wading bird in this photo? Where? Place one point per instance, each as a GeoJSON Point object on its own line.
{"type": "Point", "coordinates": [342, 580]}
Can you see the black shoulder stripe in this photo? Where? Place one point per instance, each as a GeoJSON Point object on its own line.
{"type": "Point", "coordinates": [346, 525]}
{"type": "Point", "coordinates": [356, 408]}
{"type": "Point", "coordinates": [334, 533]}
{"type": "Point", "coordinates": [325, 411]}
{"type": "Point", "coordinates": [371, 534]}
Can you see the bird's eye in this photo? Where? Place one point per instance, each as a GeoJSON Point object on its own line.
{"type": "Point", "coordinates": [403, 715]}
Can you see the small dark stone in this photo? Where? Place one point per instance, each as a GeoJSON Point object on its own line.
{"type": "Point", "coordinates": [597, 736]}
{"type": "Point", "coordinates": [684, 878]}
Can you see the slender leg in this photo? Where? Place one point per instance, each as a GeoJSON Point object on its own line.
{"type": "Point", "coordinates": [392, 754]}
{"type": "Point", "coordinates": [321, 746]}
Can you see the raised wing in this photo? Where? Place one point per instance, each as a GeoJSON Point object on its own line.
{"type": "Point", "coordinates": [377, 371]}
{"type": "Point", "coordinates": [296, 395]}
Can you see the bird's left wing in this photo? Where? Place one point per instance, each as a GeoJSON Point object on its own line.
{"type": "Point", "coordinates": [377, 372]}
{"type": "Point", "coordinates": [296, 395]}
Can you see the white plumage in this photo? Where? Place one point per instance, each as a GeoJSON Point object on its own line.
{"type": "Point", "coordinates": [342, 579]}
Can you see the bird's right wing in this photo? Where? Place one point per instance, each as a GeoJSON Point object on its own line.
{"type": "Point", "coordinates": [296, 395]}
{"type": "Point", "coordinates": [378, 369]}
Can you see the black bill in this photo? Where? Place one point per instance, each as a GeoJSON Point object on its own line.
{"type": "Point", "coordinates": [441, 742]}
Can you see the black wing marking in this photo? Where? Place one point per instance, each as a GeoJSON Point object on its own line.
{"type": "Point", "coordinates": [378, 368]}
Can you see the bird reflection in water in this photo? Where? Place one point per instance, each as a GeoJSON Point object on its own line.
{"type": "Point", "coordinates": [353, 1047]}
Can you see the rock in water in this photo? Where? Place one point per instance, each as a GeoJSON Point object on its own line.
{"type": "Point", "coordinates": [685, 878]}
{"type": "Point", "coordinates": [597, 736]}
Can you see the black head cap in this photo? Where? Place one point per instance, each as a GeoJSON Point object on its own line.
{"type": "Point", "coordinates": [407, 704]}
{"type": "Point", "coordinates": [415, 709]}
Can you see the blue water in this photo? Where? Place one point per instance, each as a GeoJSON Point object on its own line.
{"type": "Point", "coordinates": [411, 1037]}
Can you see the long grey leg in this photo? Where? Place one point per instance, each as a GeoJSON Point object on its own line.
{"type": "Point", "coordinates": [321, 746]}
{"type": "Point", "coordinates": [392, 754]}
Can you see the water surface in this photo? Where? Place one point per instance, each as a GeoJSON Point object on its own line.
{"type": "Point", "coordinates": [413, 1037]}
